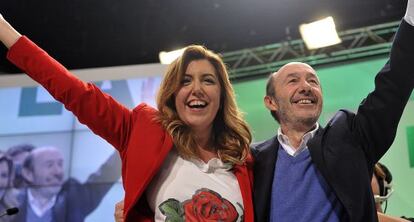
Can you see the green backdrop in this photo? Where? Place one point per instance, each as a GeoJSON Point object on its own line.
{"type": "Point", "coordinates": [344, 86]}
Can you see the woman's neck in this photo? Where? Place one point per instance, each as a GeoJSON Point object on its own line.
{"type": "Point", "coordinates": [205, 145]}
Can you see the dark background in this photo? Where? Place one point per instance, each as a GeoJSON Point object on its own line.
{"type": "Point", "coordinates": [99, 33]}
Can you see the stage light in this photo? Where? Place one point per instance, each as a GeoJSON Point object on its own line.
{"type": "Point", "coordinates": [320, 33]}
{"type": "Point", "coordinates": [169, 57]}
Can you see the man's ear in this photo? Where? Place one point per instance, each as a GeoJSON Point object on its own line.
{"type": "Point", "coordinates": [27, 175]}
{"type": "Point", "coordinates": [270, 103]}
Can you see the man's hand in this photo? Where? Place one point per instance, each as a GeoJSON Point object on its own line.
{"type": "Point", "coordinates": [119, 211]}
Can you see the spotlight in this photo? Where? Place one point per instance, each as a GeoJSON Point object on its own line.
{"type": "Point", "coordinates": [169, 57]}
{"type": "Point", "coordinates": [320, 33]}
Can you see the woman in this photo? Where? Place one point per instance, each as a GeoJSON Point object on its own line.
{"type": "Point", "coordinates": [197, 132]}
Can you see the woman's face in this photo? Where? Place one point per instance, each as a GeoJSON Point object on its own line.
{"type": "Point", "coordinates": [198, 98]}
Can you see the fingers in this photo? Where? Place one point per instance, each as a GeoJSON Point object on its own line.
{"type": "Point", "coordinates": [119, 211]}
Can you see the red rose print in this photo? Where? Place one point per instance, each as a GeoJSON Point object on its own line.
{"type": "Point", "coordinates": [207, 205]}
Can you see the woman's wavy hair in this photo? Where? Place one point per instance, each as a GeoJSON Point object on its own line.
{"type": "Point", "coordinates": [231, 135]}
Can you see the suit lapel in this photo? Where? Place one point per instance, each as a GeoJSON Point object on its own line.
{"type": "Point", "coordinates": [315, 150]}
{"type": "Point", "coordinates": [264, 166]}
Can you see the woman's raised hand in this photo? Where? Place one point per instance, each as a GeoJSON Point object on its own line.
{"type": "Point", "coordinates": [8, 35]}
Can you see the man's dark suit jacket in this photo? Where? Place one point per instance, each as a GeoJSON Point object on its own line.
{"type": "Point", "coordinates": [346, 150]}
{"type": "Point", "coordinates": [74, 202]}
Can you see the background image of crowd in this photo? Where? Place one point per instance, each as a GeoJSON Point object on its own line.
{"type": "Point", "coordinates": [34, 180]}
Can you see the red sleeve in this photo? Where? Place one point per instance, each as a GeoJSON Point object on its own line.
{"type": "Point", "coordinates": [99, 111]}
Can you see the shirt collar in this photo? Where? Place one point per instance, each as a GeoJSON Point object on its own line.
{"type": "Point", "coordinates": [34, 204]}
{"type": "Point", "coordinates": [284, 141]}
{"type": "Point", "coordinates": [212, 165]}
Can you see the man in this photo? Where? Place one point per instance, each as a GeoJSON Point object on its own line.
{"type": "Point", "coordinates": [50, 198]}
{"type": "Point", "coordinates": [311, 173]}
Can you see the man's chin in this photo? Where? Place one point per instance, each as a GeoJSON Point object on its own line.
{"type": "Point", "coordinates": [51, 189]}
{"type": "Point", "coordinates": [308, 121]}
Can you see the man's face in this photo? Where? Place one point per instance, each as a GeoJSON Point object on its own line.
{"type": "Point", "coordinates": [298, 95]}
{"type": "Point", "coordinates": [47, 173]}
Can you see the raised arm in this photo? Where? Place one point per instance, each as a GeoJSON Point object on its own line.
{"type": "Point", "coordinates": [378, 115]}
{"type": "Point", "coordinates": [99, 111]}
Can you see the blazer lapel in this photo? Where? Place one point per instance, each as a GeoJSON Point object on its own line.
{"type": "Point", "coordinates": [244, 177]}
{"type": "Point", "coordinates": [315, 150]}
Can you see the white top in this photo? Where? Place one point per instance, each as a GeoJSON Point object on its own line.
{"type": "Point", "coordinates": [186, 190]}
{"type": "Point", "coordinates": [284, 141]}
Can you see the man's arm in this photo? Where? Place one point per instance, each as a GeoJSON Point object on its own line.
{"type": "Point", "coordinates": [377, 119]}
{"type": "Point", "coordinates": [108, 172]}
{"type": "Point", "coordinates": [86, 197]}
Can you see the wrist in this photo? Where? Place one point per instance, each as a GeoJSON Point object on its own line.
{"type": "Point", "coordinates": [8, 35]}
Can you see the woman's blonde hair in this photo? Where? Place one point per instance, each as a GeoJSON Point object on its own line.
{"type": "Point", "coordinates": [231, 135]}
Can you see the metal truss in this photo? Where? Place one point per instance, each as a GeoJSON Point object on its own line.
{"type": "Point", "coordinates": [356, 43]}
